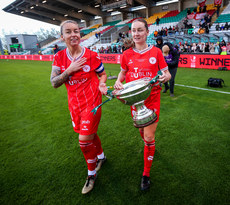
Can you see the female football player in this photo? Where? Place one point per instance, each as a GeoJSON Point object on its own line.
{"type": "Point", "coordinates": [79, 68]}
{"type": "Point", "coordinates": [139, 61]}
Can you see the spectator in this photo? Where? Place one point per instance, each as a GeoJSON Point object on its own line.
{"type": "Point", "coordinates": [206, 29]}
{"type": "Point", "coordinates": [217, 10]}
{"type": "Point", "coordinates": [226, 26]}
{"type": "Point", "coordinates": [163, 32]}
{"type": "Point", "coordinates": [209, 20]}
{"type": "Point", "coordinates": [223, 50]}
{"type": "Point", "coordinates": [223, 43]}
{"type": "Point", "coordinates": [202, 47]}
{"type": "Point", "coordinates": [218, 27]}
{"type": "Point", "coordinates": [217, 48]}
{"type": "Point", "coordinates": [189, 49]}
{"type": "Point", "coordinates": [114, 49]}
{"type": "Point", "coordinates": [201, 31]}
{"type": "Point", "coordinates": [181, 47]}
{"type": "Point", "coordinates": [171, 56]}
{"type": "Point", "coordinates": [195, 10]}
{"type": "Point", "coordinates": [94, 49]}
{"type": "Point", "coordinates": [119, 49]}
{"type": "Point", "coordinates": [222, 27]}
{"type": "Point", "coordinates": [157, 21]}
{"type": "Point", "coordinates": [56, 49]}
{"type": "Point", "coordinates": [228, 48]}
{"type": "Point", "coordinates": [212, 48]}
{"type": "Point", "coordinates": [193, 49]}
{"type": "Point", "coordinates": [204, 9]}
{"type": "Point", "coordinates": [206, 48]}
{"type": "Point", "coordinates": [155, 33]}
{"type": "Point", "coordinates": [198, 48]}
{"type": "Point", "coordinates": [159, 42]}
{"type": "Point", "coordinates": [186, 46]}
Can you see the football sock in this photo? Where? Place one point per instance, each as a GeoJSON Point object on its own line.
{"type": "Point", "coordinates": [89, 151]}
{"type": "Point", "coordinates": [99, 150]}
{"type": "Point", "coordinates": [149, 151]}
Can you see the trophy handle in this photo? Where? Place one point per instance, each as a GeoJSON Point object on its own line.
{"type": "Point", "coordinates": [154, 80]}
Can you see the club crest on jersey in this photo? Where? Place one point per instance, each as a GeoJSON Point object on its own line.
{"type": "Point", "coordinates": [86, 68]}
{"type": "Point", "coordinates": [152, 60]}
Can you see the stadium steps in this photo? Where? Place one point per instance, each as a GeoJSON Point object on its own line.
{"type": "Point", "coordinates": [152, 19]}
{"type": "Point", "coordinates": [171, 14]}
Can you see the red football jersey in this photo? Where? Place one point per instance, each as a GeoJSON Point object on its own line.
{"type": "Point", "coordinates": [141, 64]}
{"type": "Point", "coordinates": [82, 86]}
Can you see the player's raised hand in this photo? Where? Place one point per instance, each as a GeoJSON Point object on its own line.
{"type": "Point", "coordinates": [76, 65]}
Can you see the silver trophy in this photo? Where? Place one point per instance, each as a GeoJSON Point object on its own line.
{"type": "Point", "coordinates": [134, 94]}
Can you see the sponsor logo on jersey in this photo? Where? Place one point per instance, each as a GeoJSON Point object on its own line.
{"type": "Point", "coordinates": [74, 82]}
{"type": "Point", "coordinates": [84, 128]}
{"type": "Point", "coordinates": [62, 67]}
{"type": "Point", "coordinates": [140, 74]}
{"type": "Point", "coordinates": [86, 68]}
{"type": "Point", "coordinates": [150, 158]}
{"type": "Point", "coordinates": [85, 122]}
{"type": "Point", "coordinates": [130, 61]}
{"type": "Point", "coordinates": [152, 60]}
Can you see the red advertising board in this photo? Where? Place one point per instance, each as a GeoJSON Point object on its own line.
{"type": "Point", "coordinates": [204, 61]}
{"type": "Point", "coordinates": [186, 60]}
{"type": "Point", "coordinates": [28, 57]}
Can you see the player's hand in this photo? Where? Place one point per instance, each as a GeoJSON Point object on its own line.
{"type": "Point", "coordinates": [103, 88]}
{"type": "Point", "coordinates": [165, 77]}
{"type": "Point", "coordinates": [76, 65]}
{"type": "Point", "coordinates": [118, 85]}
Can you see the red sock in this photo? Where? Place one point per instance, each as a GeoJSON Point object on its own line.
{"type": "Point", "coordinates": [97, 143]}
{"type": "Point", "coordinates": [89, 151]}
{"type": "Point", "coordinates": [149, 151]}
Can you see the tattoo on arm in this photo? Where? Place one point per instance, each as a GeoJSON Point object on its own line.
{"type": "Point", "coordinates": [57, 78]}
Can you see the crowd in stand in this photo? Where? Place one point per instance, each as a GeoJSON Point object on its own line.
{"type": "Point", "coordinates": [201, 47]}
{"type": "Point", "coordinates": [222, 27]}
{"type": "Point", "coordinates": [108, 49]}
{"type": "Point", "coordinates": [203, 27]}
{"type": "Point", "coordinates": [221, 48]}
{"type": "Point", "coordinates": [167, 31]}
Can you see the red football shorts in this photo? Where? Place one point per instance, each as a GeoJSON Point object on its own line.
{"type": "Point", "coordinates": [86, 123]}
{"type": "Point", "coordinates": [153, 103]}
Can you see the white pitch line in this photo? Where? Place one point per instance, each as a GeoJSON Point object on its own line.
{"type": "Point", "coordinates": [203, 89]}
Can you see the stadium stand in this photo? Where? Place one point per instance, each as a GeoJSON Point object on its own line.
{"type": "Point", "coordinates": [172, 21]}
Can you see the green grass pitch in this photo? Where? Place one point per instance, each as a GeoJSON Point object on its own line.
{"type": "Point", "coordinates": [41, 162]}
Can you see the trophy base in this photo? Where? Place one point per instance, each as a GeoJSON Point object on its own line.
{"type": "Point", "coordinates": [143, 117]}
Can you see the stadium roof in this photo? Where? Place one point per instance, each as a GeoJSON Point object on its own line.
{"type": "Point", "coordinates": [56, 11]}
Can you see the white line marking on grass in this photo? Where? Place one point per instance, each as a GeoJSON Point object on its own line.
{"type": "Point", "coordinates": [202, 89]}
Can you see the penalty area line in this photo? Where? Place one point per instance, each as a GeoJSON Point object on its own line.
{"type": "Point", "coordinates": [217, 91]}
